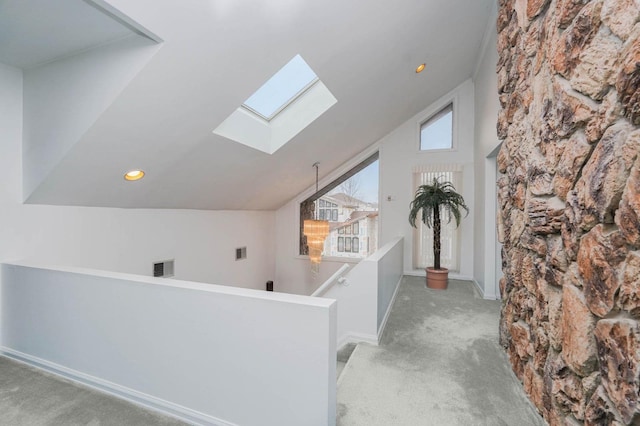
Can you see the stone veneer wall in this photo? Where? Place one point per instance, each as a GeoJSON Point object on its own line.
{"type": "Point", "coordinates": [569, 87]}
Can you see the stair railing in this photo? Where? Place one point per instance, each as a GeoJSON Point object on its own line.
{"type": "Point", "coordinates": [336, 277]}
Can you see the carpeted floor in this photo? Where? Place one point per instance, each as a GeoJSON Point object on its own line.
{"type": "Point", "coordinates": [30, 397]}
{"type": "Point", "coordinates": [439, 363]}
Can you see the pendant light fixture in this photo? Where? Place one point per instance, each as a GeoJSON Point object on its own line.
{"type": "Point", "coordinates": [316, 232]}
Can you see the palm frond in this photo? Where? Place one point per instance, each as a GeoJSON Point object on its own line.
{"type": "Point", "coordinates": [432, 202]}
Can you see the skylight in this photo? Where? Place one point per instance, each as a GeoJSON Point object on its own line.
{"type": "Point", "coordinates": [283, 88]}
{"type": "Point", "coordinates": [284, 106]}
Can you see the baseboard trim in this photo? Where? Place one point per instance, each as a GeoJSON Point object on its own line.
{"type": "Point", "coordinates": [139, 398]}
{"type": "Point", "coordinates": [452, 275]}
{"type": "Point", "coordinates": [484, 295]}
{"type": "Point", "coordinates": [383, 324]}
{"type": "Point", "coordinates": [372, 339]}
{"type": "Point", "coordinates": [480, 289]}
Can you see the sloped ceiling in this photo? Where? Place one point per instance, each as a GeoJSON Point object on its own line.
{"type": "Point", "coordinates": [216, 53]}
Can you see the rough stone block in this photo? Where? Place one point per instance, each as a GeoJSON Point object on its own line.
{"type": "Point", "coordinates": [533, 242]}
{"type": "Point", "coordinates": [594, 72]}
{"type": "Point", "coordinates": [518, 222]}
{"type": "Point", "coordinates": [545, 215]}
{"type": "Point", "coordinates": [578, 343]}
{"type": "Point", "coordinates": [553, 276]}
{"type": "Point", "coordinates": [566, 11]}
{"type": "Point", "coordinates": [517, 363]}
{"type": "Point", "coordinates": [600, 254]}
{"type": "Point", "coordinates": [628, 215]}
{"type": "Point", "coordinates": [555, 319]}
{"type": "Point", "coordinates": [620, 16]}
{"type": "Point", "coordinates": [534, 7]}
{"type": "Point", "coordinates": [523, 304]}
{"type": "Point", "coordinates": [564, 111]}
{"type": "Point", "coordinates": [590, 384]}
{"type": "Point", "coordinates": [568, 393]}
{"type": "Point", "coordinates": [505, 10]}
{"type": "Point", "coordinates": [618, 342]}
{"type": "Point", "coordinates": [533, 38]}
{"type": "Point", "coordinates": [556, 254]}
{"type": "Point", "coordinates": [540, 347]}
{"type": "Point", "coordinates": [540, 181]}
{"type": "Point", "coordinates": [628, 82]}
{"type": "Point", "coordinates": [570, 230]}
{"type": "Point", "coordinates": [573, 277]}
{"type": "Point", "coordinates": [608, 112]}
{"type": "Point", "coordinates": [583, 28]}
{"type": "Point", "coordinates": [553, 369]}
{"type": "Point", "coordinates": [599, 410]}
{"type": "Point", "coordinates": [576, 152]}
{"type": "Point", "coordinates": [529, 273]}
{"type": "Point", "coordinates": [629, 296]}
{"type": "Point", "coordinates": [534, 386]}
{"type": "Point", "coordinates": [606, 172]}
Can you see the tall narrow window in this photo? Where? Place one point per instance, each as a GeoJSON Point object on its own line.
{"type": "Point", "coordinates": [350, 204]}
{"type": "Point", "coordinates": [450, 235]}
{"type": "Point", "coordinates": [437, 132]}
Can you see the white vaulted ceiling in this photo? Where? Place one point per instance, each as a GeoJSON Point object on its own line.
{"type": "Point", "coordinates": [164, 100]}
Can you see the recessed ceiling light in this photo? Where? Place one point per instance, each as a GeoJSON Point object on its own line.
{"type": "Point", "coordinates": [420, 68]}
{"type": "Point", "coordinates": [134, 175]}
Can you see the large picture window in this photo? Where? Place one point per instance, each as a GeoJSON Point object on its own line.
{"type": "Point", "coordinates": [350, 204]}
{"type": "Point", "coordinates": [450, 235]}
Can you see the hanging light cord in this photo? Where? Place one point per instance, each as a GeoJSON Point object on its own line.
{"type": "Point", "coordinates": [316, 166]}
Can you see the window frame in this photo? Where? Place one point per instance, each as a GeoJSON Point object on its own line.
{"type": "Point", "coordinates": [358, 163]}
{"type": "Point", "coordinates": [430, 113]}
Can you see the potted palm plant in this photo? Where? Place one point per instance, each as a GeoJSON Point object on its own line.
{"type": "Point", "coordinates": [437, 201]}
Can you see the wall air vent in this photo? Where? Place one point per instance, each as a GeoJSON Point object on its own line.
{"type": "Point", "coordinates": [241, 253]}
{"type": "Point", "coordinates": [163, 269]}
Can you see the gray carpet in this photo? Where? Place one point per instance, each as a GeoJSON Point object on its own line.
{"type": "Point", "coordinates": [30, 397]}
{"type": "Point", "coordinates": [439, 363]}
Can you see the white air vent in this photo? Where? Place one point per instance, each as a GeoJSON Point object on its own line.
{"type": "Point", "coordinates": [163, 269]}
{"type": "Point", "coordinates": [241, 253]}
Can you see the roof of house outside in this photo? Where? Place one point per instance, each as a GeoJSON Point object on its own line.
{"type": "Point", "coordinates": [344, 199]}
{"type": "Point", "coordinates": [356, 216]}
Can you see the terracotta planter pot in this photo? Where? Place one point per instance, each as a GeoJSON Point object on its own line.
{"type": "Point", "coordinates": [437, 279]}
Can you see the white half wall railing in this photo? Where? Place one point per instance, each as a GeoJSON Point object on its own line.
{"type": "Point", "coordinates": [208, 354]}
{"type": "Point", "coordinates": [331, 281]}
{"type": "Point", "coordinates": [365, 293]}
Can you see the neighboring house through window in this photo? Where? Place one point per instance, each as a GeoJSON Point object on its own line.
{"type": "Point", "coordinates": [350, 204]}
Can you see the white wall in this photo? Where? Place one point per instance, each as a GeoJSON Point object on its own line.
{"type": "Point", "coordinates": [201, 242]}
{"type": "Point", "coordinates": [365, 297]}
{"type": "Point", "coordinates": [399, 153]}
{"type": "Point", "coordinates": [390, 270]}
{"type": "Point", "coordinates": [212, 354]}
{"type": "Point", "coordinates": [64, 98]}
{"type": "Point", "coordinates": [486, 113]}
